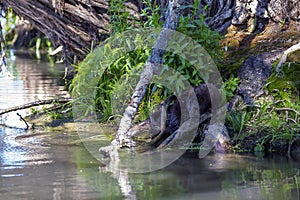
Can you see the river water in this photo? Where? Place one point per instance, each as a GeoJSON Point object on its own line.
{"type": "Point", "coordinates": [38, 168]}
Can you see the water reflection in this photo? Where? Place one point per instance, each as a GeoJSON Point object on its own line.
{"type": "Point", "coordinates": [30, 170]}
{"type": "Point", "coordinates": [15, 155]}
{"type": "Point", "coordinates": [43, 173]}
{"type": "Point", "coordinates": [219, 176]}
{"type": "Point", "coordinates": [53, 171]}
{"type": "Point", "coordinates": [32, 80]}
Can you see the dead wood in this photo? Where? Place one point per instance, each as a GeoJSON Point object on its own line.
{"type": "Point", "coordinates": [74, 24]}
{"type": "Point", "coordinates": [36, 103]}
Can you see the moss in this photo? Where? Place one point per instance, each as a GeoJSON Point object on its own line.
{"type": "Point", "coordinates": [240, 45]}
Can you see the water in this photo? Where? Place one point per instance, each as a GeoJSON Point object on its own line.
{"type": "Point", "coordinates": [27, 80]}
{"type": "Point", "coordinates": [48, 166]}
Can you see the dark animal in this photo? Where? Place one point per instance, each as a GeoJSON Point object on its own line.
{"type": "Point", "coordinates": [170, 116]}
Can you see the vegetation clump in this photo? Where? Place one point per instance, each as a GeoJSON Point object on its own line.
{"type": "Point", "coordinates": [192, 25]}
{"type": "Point", "coordinates": [272, 123]}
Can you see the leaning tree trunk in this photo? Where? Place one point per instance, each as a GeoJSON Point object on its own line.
{"type": "Point", "coordinates": [151, 67]}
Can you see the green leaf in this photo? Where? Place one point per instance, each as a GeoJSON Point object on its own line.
{"type": "Point", "coordinates": [190, 26]}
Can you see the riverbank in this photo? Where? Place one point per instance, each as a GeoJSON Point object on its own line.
{"type": "Point", "coordinates": [245, 142]}
{"type": "Point", "coordinates": [270, 124]}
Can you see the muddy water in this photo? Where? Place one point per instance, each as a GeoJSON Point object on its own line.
{"type": "Point", "coordinates": [48, 165]}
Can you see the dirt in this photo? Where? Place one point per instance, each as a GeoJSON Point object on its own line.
{"type": "Point", "coordinates": [239, 45]}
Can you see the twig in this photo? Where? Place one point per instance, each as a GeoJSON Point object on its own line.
{"type": "Point", "coordinates": [285, 55]}
{"type": "Point", "coordinates": [294, 121]}
{"type": "Point", "coordinates": [21, 118]}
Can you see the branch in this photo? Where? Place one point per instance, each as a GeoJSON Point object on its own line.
{"type": "Point", "coordinates": [151, 67]}
{"type": "Point", "coordinates": [36, 103]}
{"type": "Point", "coordinates": [293, 48]}
{"type": "Point", "coordinates": [21, 118]}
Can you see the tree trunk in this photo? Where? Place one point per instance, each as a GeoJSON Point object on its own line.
{"type": "Point", "coordinates": [151, 67]}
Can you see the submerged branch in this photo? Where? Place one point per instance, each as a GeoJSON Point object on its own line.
{"type": "Point", "coordinates": [21, 118]}
{"type": "Point", "coordinates": [36, 103]}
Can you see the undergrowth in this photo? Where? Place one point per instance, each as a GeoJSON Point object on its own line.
{"type": "Point", "coordinates": [272, 118]}
{"type": "Point", "coordinates": [273, 122]}
{"type": "Point", "coordinates": [192, 25]}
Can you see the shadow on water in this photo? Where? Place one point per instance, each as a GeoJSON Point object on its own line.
{"type": "Point", "coordinates": [51, 165]}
